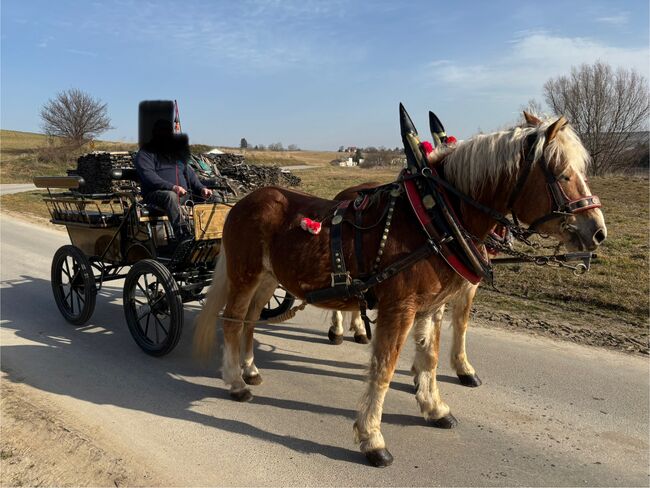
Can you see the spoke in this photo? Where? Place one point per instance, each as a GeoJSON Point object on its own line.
{"type": "Point", "coordinates": [69, 294]}
{"type": "Point", "coordinates": [146, 282]}
{"type": "Point", "coordinates": [146, 312]}
{"type": "Point", "coordinates": [81, 295]}
{"type": "Point", "coordinates": [146, 328]}
{"type": "Point", "coordinates": [156, 289]}
{"type": "Point", "coordinates": [156, 329]}
{"type": "Point", "coordinates": [146, 295]}
{"type": "Point", "coordinates": [78, 304]}
{"type": "Point", "coordinates": [66, 271]}
{"type": "Point", "coordinates": [67, 268]}
{"type": "Point", "coordinates": [161, 326]}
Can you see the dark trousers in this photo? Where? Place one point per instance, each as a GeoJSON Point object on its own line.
{"type": "Point", "coordinates": [168, 201]}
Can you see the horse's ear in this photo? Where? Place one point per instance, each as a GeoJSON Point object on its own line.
{"type": "Point", "coordinates": [405, 123]}
{"type": "Point", "coordinates": [414, 158]}
{"type": "Point", "coordinates": [531, 119]}
{"type": "Point", "coordinates": [437, 129]}
{"type": "Point", "coordinates": [555, 127]}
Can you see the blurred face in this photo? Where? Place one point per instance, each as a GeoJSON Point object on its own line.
{"type": "Point", "coordinates": [163, 130]}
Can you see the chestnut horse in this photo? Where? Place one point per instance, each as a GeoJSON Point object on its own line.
{"type": "Point", "coordinates": [263, 245]}
{"type": "Point", "coordinates": [460, 317]}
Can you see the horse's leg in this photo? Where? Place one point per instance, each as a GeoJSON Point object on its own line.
{"type": "Point", "coordinates": [358, 327]}
{"type": "Point", "coordinates": [435, 340]}
{"type": "Point", "coordinates": [460, 318]}
{"type": "Point", "coordinates": [335, 333]}
{"type": "Point", "coordinates": [263, 294]}
{"type": "Point", "coordinates": [393, 325]}
{"type": "Point", "coordinates": [427, 345]}
{"type": "Point", "coordinates": [239, 299]}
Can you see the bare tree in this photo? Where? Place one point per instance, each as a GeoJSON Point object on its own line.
{"type": "Point", "coordinates": [605, 106]}
{"type": "Point", "coordinates": [75, 116]}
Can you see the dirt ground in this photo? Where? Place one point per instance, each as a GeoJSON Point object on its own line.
{"type": "Point", "coordinates": [40, 447]}
{"type": "Point", "coordinates": [600, 333]}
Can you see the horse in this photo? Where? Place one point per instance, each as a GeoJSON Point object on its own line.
{"type": "Point", "coordinates": [536, 173]}
{"type": "Point", "coordinates": [460, 316]}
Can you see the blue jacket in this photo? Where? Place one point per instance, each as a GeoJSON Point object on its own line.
{"type": "Point", "coordinates": [162, 172]}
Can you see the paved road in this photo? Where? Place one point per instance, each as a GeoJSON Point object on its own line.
{"type": "Point", "coordinates": [298, 167]}
{"type": "Point", "coordinates": [5, 189]}
{"type": "Point", "coordinates": [547, 414]}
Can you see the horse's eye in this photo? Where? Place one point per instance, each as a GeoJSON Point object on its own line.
{"type": "Point", "coordinates": [566, 178]}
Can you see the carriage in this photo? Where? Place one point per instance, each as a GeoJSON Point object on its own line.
{"type": "Point", "coordinates": [116, 236]}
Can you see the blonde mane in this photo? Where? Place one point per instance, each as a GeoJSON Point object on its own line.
{"type": "Point", "coordinates": [485, 159]}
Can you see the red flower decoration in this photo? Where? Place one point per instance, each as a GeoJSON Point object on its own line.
{"type": "Point", "coordinates": [428, 148]}
{"type": "Point", "coordinates": [451, 140]}
{"type": "Point", "coordinates": [310, 225]}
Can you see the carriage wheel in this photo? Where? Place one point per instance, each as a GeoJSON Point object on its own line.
{"type": "Point", "coordinates": [153, 307]}
{"type": "Point", "coordinates": [73, 284]}
{"type": "Point", "coordinates": [280, 302]}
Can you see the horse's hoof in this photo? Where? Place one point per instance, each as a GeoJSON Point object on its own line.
{"type": "Point", "coordinates": [334, 338]}
{"type": "Point", "coordinates": [361, 339]}
{"type": "Point", "coordinates": [254, 379]}
{"type": "Point", "coordinates": [244, 395]}
{"type": "Point", "coordinates": [471, 380]}
{"type": "Point", "coordinates": [379, 458]}
{"type": "Point", "coordinates": [446, 422]}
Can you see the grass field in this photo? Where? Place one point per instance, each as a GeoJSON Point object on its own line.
{"type": "Point", "coordinates": [609, 302]}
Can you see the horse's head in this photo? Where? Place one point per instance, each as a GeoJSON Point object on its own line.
{"type": "Point", "coordinates": [551, 192]}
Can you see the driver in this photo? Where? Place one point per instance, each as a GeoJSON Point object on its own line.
{"type": "Point", "coordinates": [167, 181]}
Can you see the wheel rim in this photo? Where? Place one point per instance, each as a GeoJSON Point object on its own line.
{"type": "Point", "coordinates": [150, 309]}
{"type": "Point", "coordinates": [71, 286]}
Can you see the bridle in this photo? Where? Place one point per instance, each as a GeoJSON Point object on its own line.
{"type": "Point", "coordinates": [561, 205]}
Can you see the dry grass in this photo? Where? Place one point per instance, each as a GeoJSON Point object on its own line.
{"type": "Point", "coordinates": [286, 158]}
{"type": "Point", "coordinates": [327, 181]}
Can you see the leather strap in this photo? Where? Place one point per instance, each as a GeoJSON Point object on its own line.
{"type": "Point", "coordinates": [340, 274]}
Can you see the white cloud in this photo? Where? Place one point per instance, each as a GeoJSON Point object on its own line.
{"type": "Point", "coordinates": [619, 19]}
{"type": "Point", "coordinates": [531, 59]}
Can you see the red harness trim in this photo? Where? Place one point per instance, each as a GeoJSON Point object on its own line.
{"type": "Point", "coordinates": [425, 221]}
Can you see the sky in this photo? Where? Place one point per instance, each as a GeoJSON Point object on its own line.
{"type": "Point", "coordinates": [318, 74]}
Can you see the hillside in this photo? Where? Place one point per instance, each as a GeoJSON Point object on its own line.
{"type": "Point", "coordinates": [27, 154]}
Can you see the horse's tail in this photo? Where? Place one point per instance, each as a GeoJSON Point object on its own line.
{"type": "Point", "coordinates": [206, 323]}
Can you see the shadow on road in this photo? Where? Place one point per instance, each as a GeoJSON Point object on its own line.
{"type": "Point", "coordinates": [100, 363]}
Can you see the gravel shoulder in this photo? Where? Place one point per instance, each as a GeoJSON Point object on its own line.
{"type": "Point", "coordinates": [39, 446]}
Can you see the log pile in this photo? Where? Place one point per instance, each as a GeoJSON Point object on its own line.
{"type": "Point", "coordinates": [95, 168]}
{"type": "Point", "coordinates": [248, 176]}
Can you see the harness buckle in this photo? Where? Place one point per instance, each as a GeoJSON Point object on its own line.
{"type": "Point", "coordinates": [341, 279]}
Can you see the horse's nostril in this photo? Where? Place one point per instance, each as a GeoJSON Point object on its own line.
{"type": "Point", "coordinates": [599, 236]}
